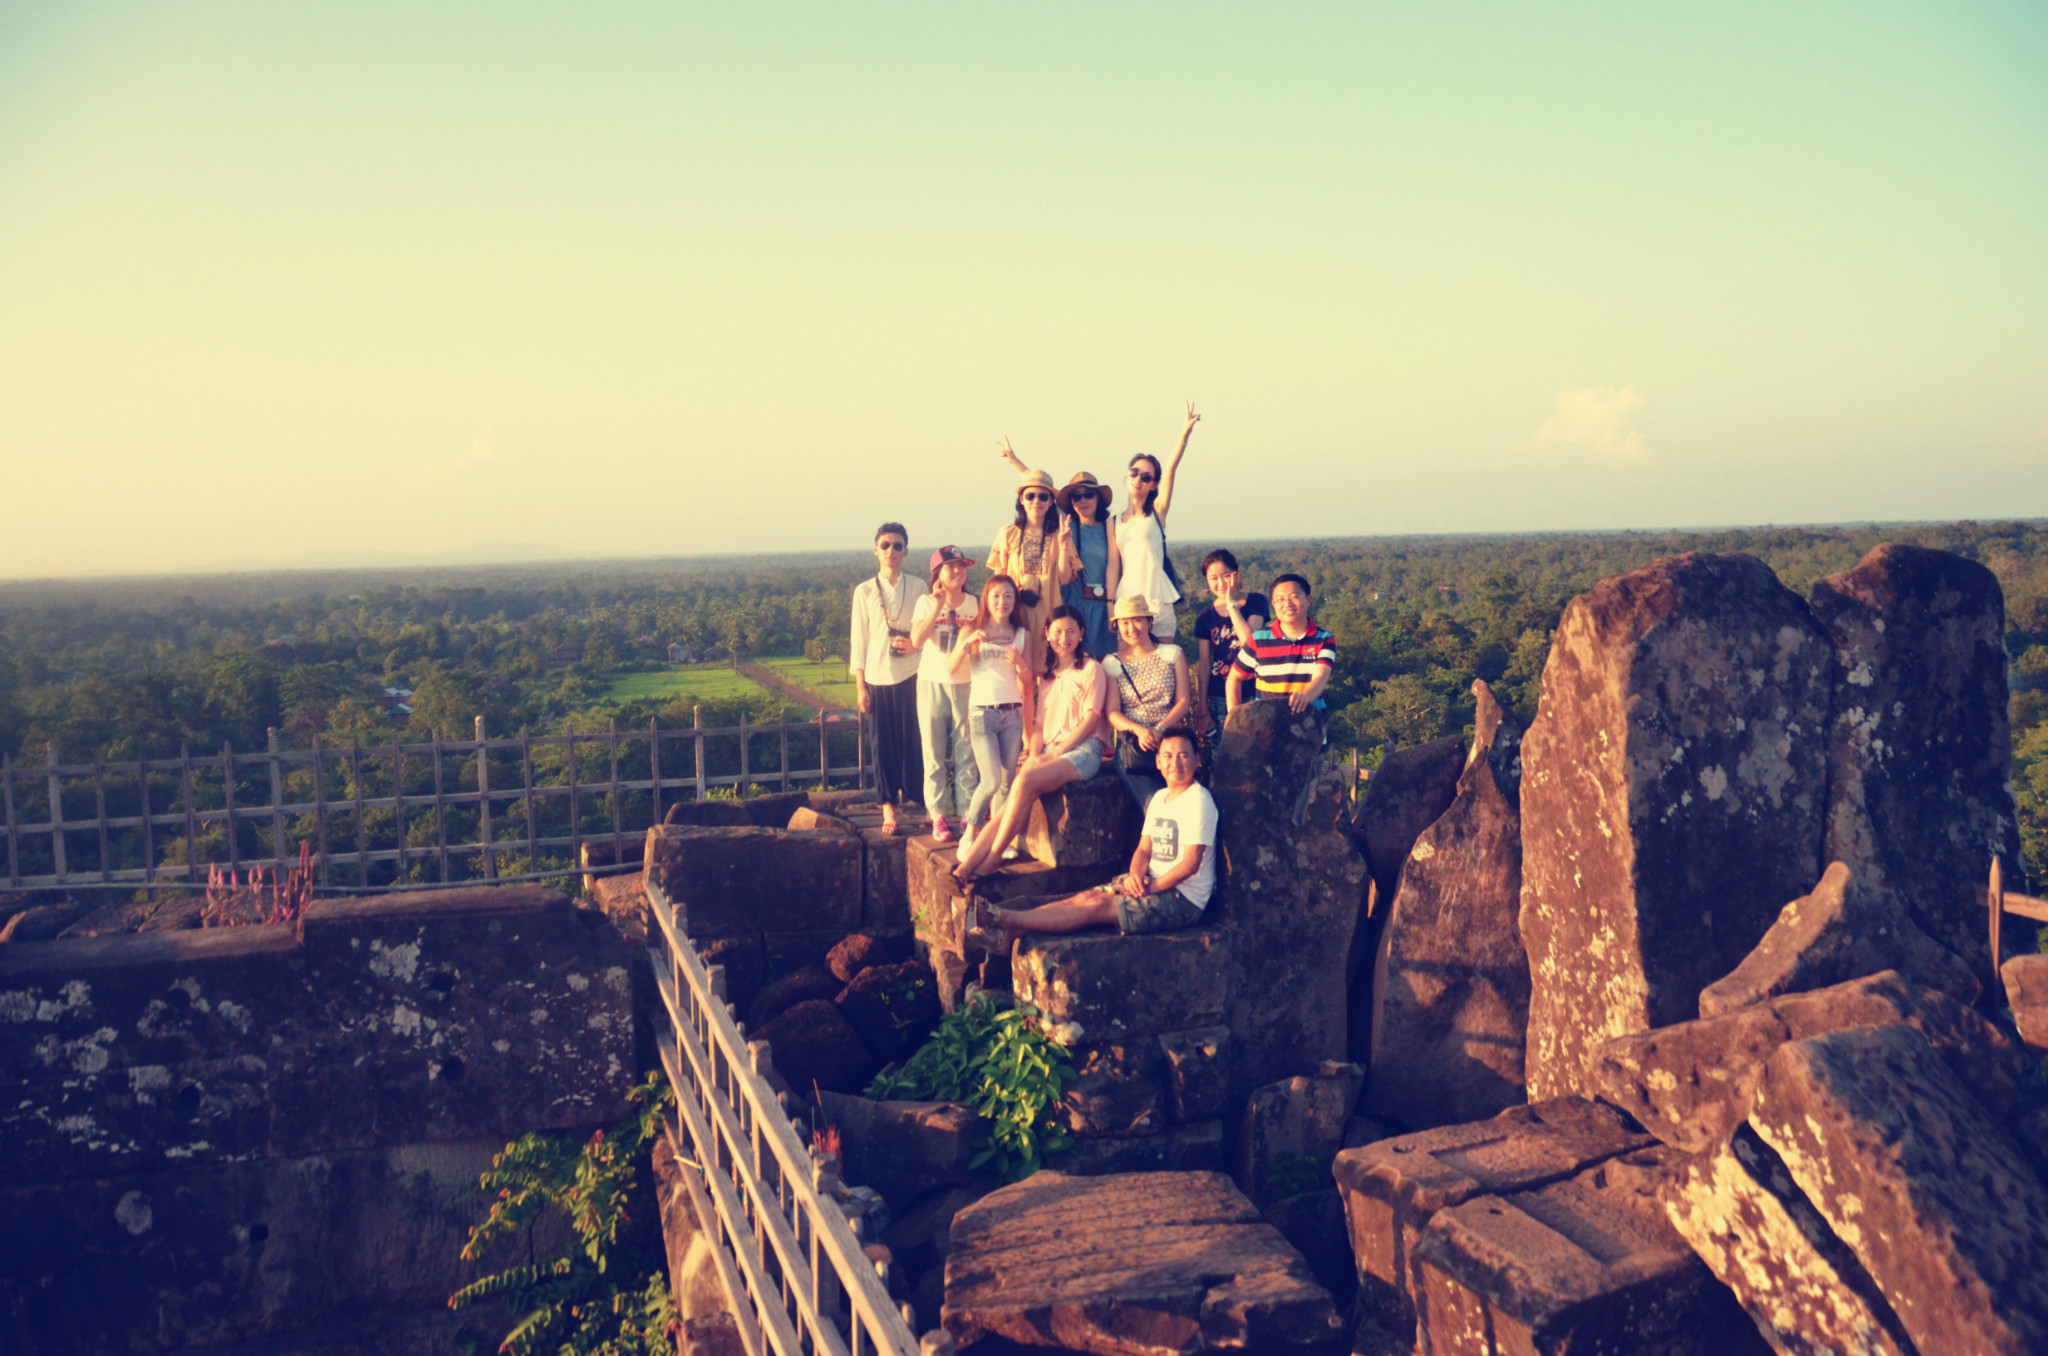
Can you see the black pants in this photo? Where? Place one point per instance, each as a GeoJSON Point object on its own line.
{"type": "Point", "coordinates": [899, 750]}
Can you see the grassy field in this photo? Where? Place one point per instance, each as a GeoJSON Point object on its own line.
{"type": "Point", "coordinates": [829, 679]}
{"type": "Point", "coordinates": [698, 682]}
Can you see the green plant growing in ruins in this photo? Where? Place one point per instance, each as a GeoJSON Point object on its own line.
{"type": "Point", "coordinates": [608, 1295]}
{"type": "Point", "coordinates": [1001, 1063]}
{"type": "Point", "coordinates": [1293, 1173]}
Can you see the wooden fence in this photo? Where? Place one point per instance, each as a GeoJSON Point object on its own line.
{"type": "Point", "coordinates": [793, 1270]}
{"type": "Point", "coordinates": [439, 812]}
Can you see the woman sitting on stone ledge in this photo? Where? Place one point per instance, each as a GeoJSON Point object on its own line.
{"type": "Point", "coordinates": [1148, 696]}
{"type": "Point", "coordinates": [1068, 746]}
{"type": "Point", "coordinates": [1171, 877]}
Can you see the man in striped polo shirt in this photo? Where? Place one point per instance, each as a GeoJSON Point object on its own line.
{"type": "Point", "coordinates": [1292, 658]}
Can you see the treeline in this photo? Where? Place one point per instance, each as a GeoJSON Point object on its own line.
{"type": "Point", "coordinates": [145, 666]}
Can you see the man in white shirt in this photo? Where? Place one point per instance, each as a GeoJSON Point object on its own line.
{"type": "Point", "coordinates": [883, 663]}
{"type": "Point", "coordinates": [1171, 877]}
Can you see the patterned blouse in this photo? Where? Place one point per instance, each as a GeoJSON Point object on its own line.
{"type": "Point", "coordinates": [1145, 684]}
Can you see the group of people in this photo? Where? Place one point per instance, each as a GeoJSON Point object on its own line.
{"type": "Point", "coordinates": [1066, 664]}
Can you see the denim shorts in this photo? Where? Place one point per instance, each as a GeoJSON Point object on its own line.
{"type": "Point", "coordinates": [1086, 760]}
{"type": "Point", "coordinates": [1166, 911]}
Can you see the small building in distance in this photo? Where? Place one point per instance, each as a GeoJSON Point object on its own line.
{"type": "Point", "coordinates": [680, 653]}
{"type": "Point", "coordinates": [567, 654]}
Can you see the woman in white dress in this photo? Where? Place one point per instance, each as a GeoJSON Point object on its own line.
{"type": "Point", "coordinates": [1141, 532]}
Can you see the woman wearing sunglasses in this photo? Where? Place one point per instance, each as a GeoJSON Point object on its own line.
{"type": "Point", "coordinates": [1033, 551]}
{"type": "Point", "coordinates": [1141, 533]}
{"type": "Point", "coordinates": [1084, 522]}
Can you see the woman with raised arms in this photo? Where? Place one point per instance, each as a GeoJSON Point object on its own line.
{"type": "Point", "coordinates": [1068, 745]}
{"type": "Point", "coordinates": [1141, 533]}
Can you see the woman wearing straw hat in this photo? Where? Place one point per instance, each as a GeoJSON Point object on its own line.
{"type": "Point", "coordinates": [1148, 696]}
{"type": "Point", "coordinates": [1030, 550]}
{"type": "Point", "coordinates": [1084, 522]}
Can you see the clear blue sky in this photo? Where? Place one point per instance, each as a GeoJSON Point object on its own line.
{"type": "Point", "coordinates": [283, 283]}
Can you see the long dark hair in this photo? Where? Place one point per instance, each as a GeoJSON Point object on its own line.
{"type": "Point", "coordinates": [1081, 656]}
{"type": "Point", "coordinates": [1157, 475]}
{"type": "Point", "coordinates": [981, 620]}
{"type": "Point", "coordinates": [1052, 510]}
{"type": "Point", "coordinates": [1097, 493]}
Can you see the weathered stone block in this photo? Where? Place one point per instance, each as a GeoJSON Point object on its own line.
{"type": "Point", "coordinates": [744, 962]}
{"type": "Point", "coordinates": [801, 986]}
{"type": "Point", "coordinates": [738, 882]}
{"type": "Point", "coordinates": [433, 1016]}
{"type": "Point", "coordinates": [904, 1149]}
{"type": "Point", "coordinates": [1091, 823]}
{"type": "Point", "coordinates": [787, 952]}
{"type": "Point", "coordinates": [1119, 988]}
{"type": "Point", "coordinates": [851, 955]}
{"type": "Point", "coordinates": [1693, 1083]}
{"type": "Point", "coordinates": [1837, 932]}
{"type": "Point", "coordinates": [1406, 794]}
{"type": "Point", "coordinates": [1182, 1148]}
{"type": "Point", "coordinates": [2026, 989]}
{"type": "Point", "coordinates": [1117, 1090]}
{"type": "Point", "coordinates": [812, 1044]}
{"type": "Point", "coordinates": [1450, 985]}
{"type": "Point", "coordinates": [1672, 798]}
{"type": "Point", "coordinates": [1197, 1071]}
{"type": "Point", "coordinates": [885, 897]}
{"type": "Point", "coordinates": [1394, 1187]}
{"type": "Point", "coordinates": [1290, 896]}
{"type": "Point", "coordinates": [1927, 1189]}
{"type": "Point", "coordinates": [804, 819]}
{"type": "Point", "coordinates": [1586, 1264]}
{"type": "Point", "coordinates": [1146, 1262]}
{"type": "Point", "coordinates": [1291, 1124]}
{"type": "Point", "coordinates": [1313, 1222]}
{"type": "Point", "coordinates": [892, 1007]}
{"type": "Point", "coordinates": [1755, 1230]}
{"type": "Point", "coordinates": [1919, 742]}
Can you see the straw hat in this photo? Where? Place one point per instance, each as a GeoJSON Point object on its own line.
{"type": "Point", "coordinates": [1081, 480]}
{"type": "Point", "coordinates": [1136, 605]}
{"type": "Point", "coordinates": [1035, 480]}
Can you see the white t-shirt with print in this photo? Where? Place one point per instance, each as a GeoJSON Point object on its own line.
{"type": "Point", "coordinates": [1176, 822]}
{"type": "Point", "coordinates": [995, 679]}
{"type": "Point", "coordinates": [935, 657]}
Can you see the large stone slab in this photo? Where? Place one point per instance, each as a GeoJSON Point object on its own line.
{"type": "Point", "coordinates": [1119, 1090]}
{"type": "Point", "coordinates": [1293, 1126]}
{"type": "Point", "coordinates": [1838, 931]}
{"type": "Point", "coordinates": [2026, 989]}
{"type": "Point", "coordinates": [1291, 896]}
{"type": "Point", "coordinates": [1091, 823]}
{"type": "Point", "coordinates": [1754, 1228]}
{"type": "Point", "coordinates": [1450, 985]}
{"type": "Point", "coordinates": [1197, 1071]}
{"type": "Point", "coordinates": [1394, 1187]}
{"type": "Point", "coordinates": [1693, 1083]}
{"type": "Point", "coordinates": [1928, 1191]}
{"type": "Point", "coordinates": [1587, 1264]}
{"type": "Point", "coordinates": [1119, 988]}
{"type": "Point", "coordinates": [1920, 743]}
{"type": "Point", "coordinates": [1405, 795]}
{"type": "Point", "coordinates": [1672, 798]}
{"type": "Point", "coordinates": [1135, 1265]}
{"type": "Point", "coordinates": [904, 1149]}
{"type": "Point", "coordinates": [740, 882]}
{"type": "Point", "coordinates": [1193, 1147]}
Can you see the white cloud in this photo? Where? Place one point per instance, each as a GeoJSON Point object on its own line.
{"type": "Point", "coordinates": [1596, 420]}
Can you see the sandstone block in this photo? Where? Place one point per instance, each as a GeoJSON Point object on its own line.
{"type": "Point", "coordinates": [1450, 985]}
{"type": "Point", "coordinates": [738, 882]}
{"type": "Point", "coordinates": [1588, 1264]}
{"type": "Point", "coordinates": [1693, 1083]}
{"type": "Point", "coordinates": [1928, 1191]}
{"type": "Point", "coordinates": [1150, 1262]}
{"type": "Point", "coordinates": [772, 810]}
{"type": "Point", "coordinates": [1292, 1126]}
{"type": "Point", "coordinates": [1749, 1222]}
{"type": "Point", "coordinates": [893, 1008]}
{"type": "Point", "coordinates": [787, 952]}
{"type": "Point", "coordinates": [1836, 932]}
{"type": "Point", "coordinates": [1197, 1071]}
{"type": "Point", "coordinates": [1197, 1147]}
{"type": "Point", "coordinates": [855, 953]}
{"type": "Point", "coordinates": [1406, 794]}
{"type": "Point", "coordinates": [1919, 743]}
{"type": "Point", "coordinates": [804, 819]}
{"type": "Point", "coordinates": [1394, 1187]}
{"type": "Point", "coordinates": [812, 1043]}
{"type": "Point", "coordinates": [813, 981]}
{"type": "Point", "coordinates": [1120, 988]}
{"type": "Point", "coordinates": [1091, 823]}
{"type": "Point", "coordinates": [885, 897]}
{"type": "Point", "coordinates": [744, 962]}
{"type": "Point", "coordinates": [1672, 798]}
{"type": "Point", "coordinates": [1117, 1090]}
{"type": "Point", "coordinates": [2026, 989]}
{"type": "Point", "coordinates": [904, 1150]}
{"type": "Point", "coordinates": [1290, 897]}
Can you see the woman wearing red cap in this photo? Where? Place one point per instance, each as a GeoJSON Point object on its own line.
{"type": "Point", "coordinates": [944, 684]}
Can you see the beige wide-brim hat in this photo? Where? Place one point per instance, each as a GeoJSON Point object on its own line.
{"type": "Point", "coordinates": [1036, 480]}
{"type": "Point", "coordinates": [1137, 605]}
{"type": "Point", "coordinates": [1081, 480]}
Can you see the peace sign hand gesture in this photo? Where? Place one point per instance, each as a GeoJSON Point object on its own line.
{"type": "Point", "coordinates": [1008, 454]}
{"type": "Point", "coordinates": [1193, 418]}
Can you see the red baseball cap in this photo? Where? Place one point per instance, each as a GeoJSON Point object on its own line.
{"type": "Point", "coordinates": [949, 555]}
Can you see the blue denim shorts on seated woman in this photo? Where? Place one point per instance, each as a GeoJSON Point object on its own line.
{"type": "Point", "coordinates": [1086, 760]}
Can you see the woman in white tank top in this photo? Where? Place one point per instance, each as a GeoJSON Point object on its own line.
{"type": "Point", "coordinates": [1141, 532]}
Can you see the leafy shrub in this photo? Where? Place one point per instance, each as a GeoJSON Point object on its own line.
{"type": "Point", "coordinates": [608, 1296]}
{"type": "Point", "coordinates": [1001, 1063]}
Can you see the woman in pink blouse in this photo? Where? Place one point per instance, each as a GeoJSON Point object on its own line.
{"type": "Point", "coordinates": [1068, 745]}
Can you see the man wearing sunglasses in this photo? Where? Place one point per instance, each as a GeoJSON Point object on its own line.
{"type": "Point", "coordinates": [883, 663]}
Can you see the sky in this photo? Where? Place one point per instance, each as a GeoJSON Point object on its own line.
{"type": "Point", "coordinates": [311, 284]}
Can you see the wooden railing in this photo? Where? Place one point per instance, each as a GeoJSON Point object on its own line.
{"type": "Point", "coordinates": [794, 1273]}
{"type": "Point", "coordinates": [441, 811]}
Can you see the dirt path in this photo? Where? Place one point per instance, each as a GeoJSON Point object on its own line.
{"type": "Point", "coordinates": [775, 682]}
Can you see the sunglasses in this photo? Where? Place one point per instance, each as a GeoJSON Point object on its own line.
{"type": "Point", "coordinates": [1038, 499]}
{"type": "Point", "coordinates": [1144, 477]}
{"type": "Point", "coordinates": [891, 546]}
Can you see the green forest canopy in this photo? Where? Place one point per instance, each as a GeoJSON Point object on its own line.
{"type": "Point", "coordinates": [132, 667]}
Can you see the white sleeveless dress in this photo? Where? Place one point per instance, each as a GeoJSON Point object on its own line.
{"type": "Point", "coordinates": [1142, 545]}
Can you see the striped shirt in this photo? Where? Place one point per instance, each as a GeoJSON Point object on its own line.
{"type": "Point", "coordinates": [1283, 667]}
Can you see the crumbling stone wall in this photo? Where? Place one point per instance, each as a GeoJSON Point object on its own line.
{"type": "Point", "coordinates": [247, 1135]}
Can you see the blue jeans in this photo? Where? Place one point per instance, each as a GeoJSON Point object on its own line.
{"type": "Point", "coordinates": [950, 775]}
{"type": "Point", "coordinates": [998, 744]}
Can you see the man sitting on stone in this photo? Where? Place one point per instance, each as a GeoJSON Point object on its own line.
{"type": "Point", "coordinates": [1171, 876]}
